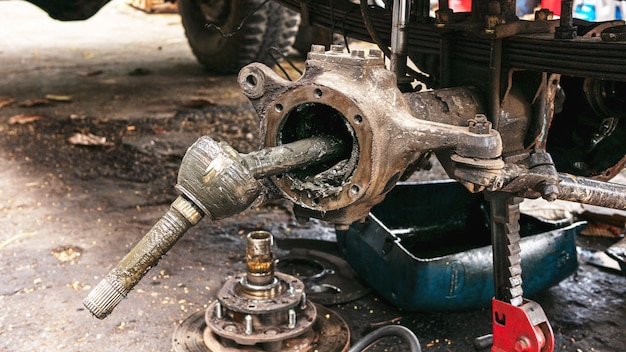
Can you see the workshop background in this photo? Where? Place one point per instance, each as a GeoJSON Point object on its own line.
{"type": "Point", "coordinates": [94, 119]}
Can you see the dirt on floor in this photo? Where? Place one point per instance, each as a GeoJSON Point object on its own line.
{"type": "Point", "coordinates": [97, 116]}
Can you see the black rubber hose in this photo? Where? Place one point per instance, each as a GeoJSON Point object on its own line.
{"type": "Point", "coordinates": [367, 20]}
{"type": "Point", "coordinates": [387, 331]}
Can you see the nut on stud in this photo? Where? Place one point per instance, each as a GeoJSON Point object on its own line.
{"type": "Point", "coordinates": [318, 48]}
{"type": "Point", "coordinates": [479, 124]}
{"type": "Point", "coordinates": [336, 49]}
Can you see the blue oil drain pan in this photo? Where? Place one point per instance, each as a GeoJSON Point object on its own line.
{"type": "Point", "coordinates": [426, 247]}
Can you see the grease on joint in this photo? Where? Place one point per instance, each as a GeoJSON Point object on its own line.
{"type": "Point", "coordinates": [327, 183]}
{"type": "Point", "coordinates": [326, 179]}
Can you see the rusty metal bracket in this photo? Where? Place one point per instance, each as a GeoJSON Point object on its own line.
{"type": "Point", "coordinates": [523, 329]}
{"type": "Point", "coordinates": [533, 177]}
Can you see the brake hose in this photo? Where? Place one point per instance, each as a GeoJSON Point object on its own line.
{"type": "Point", "coordinates": [365, 12]}
{"type": "Point", "coordinates": [369, 26]}
{"type": "Point", "coordinates": [388, 331]}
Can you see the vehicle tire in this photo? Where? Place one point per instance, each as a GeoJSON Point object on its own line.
{"type": "Point", "coordinates": [308, 35]}
{"type": "Point", "coordinates": [270, 26]}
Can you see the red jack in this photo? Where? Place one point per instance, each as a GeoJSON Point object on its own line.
{"type": "Point", "coordinates": [520, 329]}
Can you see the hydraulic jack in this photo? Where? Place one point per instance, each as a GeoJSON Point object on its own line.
{"type": "Point", "coordinates": [518, 324]}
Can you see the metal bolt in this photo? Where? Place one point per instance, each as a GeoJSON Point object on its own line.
{"type": "Point", "coordinates": [336, 49]}
{"type": "Point", "coordinates": [494, 8]}
{"type": "Point", "coordinates": [358, 53]}
{"type": "Point", "coordinates": [230, 328]}
{"type": "Point", "coordinates": [444, 14]}
{"type": "Point", "coordinates": [292, 319]}
{"type": "Point", "coordinates": [493, 16]}
{"type": "Point", "coordinates": [218, 311]}
{"type": "Point", "coordinates": [522, 345]}
{"type": "Point", "coordinates": [491, 21]}
{"type": "Point", "coordinates": [248, 329]}
{"type": "Point", "coordinates": [479, 124]}
{"type": "Point", "coordinates": [303, 301]}
{"type": "Point", "coordinates": [543, 15]}
{"type": "Point", "coordinates": [442, 17]}
{"type": "Point", "coordinates": [375, 53]}
{"type": "Point", "coordinates": [550, 191]}
{"type": "Point", "coordinates": [566, 28]}
{"type": "Point", "coordinates": [567, 18]}
{"type": "Point", "coordinates": [318, 48]}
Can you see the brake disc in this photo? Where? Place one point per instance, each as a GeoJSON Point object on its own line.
{"type": "Point", "coordinates": [328, 279]}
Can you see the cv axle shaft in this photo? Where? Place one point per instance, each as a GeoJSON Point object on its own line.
{"type": "Point", "coordinates": [216, 182]}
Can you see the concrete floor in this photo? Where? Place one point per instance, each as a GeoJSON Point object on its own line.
{"type": "Point", "coordinates": [45, 211]}
{"type": "Point", "coordinates": [63, 225]}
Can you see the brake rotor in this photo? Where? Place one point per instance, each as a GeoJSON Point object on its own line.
{"type": "Point", "coordinates": [328, 279]}
{"type": "Point", "coordinates": [329, 333]}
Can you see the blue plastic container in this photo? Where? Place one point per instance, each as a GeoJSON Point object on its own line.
{"type": "Point", "coordinates": [427, 248]}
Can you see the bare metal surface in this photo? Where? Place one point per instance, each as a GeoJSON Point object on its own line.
{"type": "Point", "coordinates": [401, 11]}
{"type": "Point", "coordinates": [454, 106]}
{"type": "Point", "coordinates": [296, 155]}
{"type": "Point", "coordinates": [365, 110]}
{"type": "Point", "coordinates": [212, 180]}
{"type": "Point", "coordinates": [260, 307]}
{"type": "Point", "coordinates": [259, 258]}
{"type": "Point", "coordinates": [120, 281]}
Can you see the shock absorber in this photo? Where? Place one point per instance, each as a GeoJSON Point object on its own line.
{"type": "Point", "coordinates": [216, 182]}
